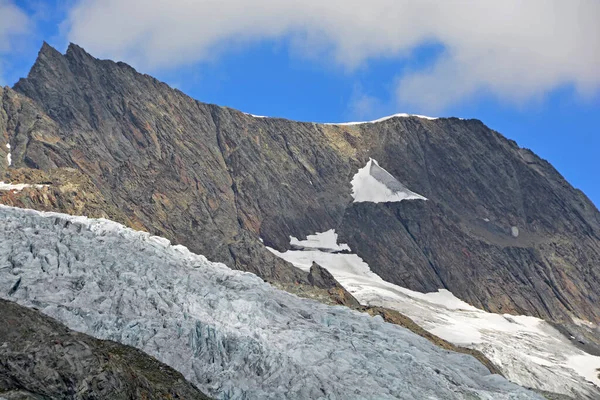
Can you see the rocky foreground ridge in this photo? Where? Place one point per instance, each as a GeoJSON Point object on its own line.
{"type": "Point", "coordinates": [43, 359]}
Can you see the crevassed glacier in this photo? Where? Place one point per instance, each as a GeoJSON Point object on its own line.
{"type": "Point", "coordinates": [228, 332]}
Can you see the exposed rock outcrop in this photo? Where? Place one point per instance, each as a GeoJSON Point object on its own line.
{"type": "Point", "coordinates": [41, 358]}
{"type": "Point", "coordinates": [61, 190]}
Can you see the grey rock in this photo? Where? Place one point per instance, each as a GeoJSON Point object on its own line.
{"type": "Point", "coordinates": [41, 358]}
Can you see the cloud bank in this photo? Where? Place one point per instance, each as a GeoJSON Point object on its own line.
{"type": "Point", "coordinates": [513, 49]}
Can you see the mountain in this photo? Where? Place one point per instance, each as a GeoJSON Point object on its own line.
{"type": "Point", "coordinates": [228, 332]}
{"type": "Point", "coordinates": [425, 203]}
{"type": "Point", "coordinates": [215, 180]}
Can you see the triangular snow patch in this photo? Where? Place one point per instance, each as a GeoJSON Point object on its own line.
{"type": "Point", "coordinates": [374, 184]}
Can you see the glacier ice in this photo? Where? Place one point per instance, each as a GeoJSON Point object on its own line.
{"type": "Point", "coordinates": [528, 350]}
{"type": "Point", "coordinates": [227, 331]}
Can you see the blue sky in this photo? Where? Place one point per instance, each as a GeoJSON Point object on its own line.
{"type": "Point", "coordinates": [530, 72]}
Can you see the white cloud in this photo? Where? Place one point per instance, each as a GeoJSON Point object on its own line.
{"type": "Point", "coordinates": [513, 49]}
{"type": "Point", "coordinates": [14, 24]}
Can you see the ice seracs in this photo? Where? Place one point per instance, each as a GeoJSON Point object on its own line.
{"type": "Point", "coordinates": [528, 350]}
{"type": "Point", "coordinates": [228, 332]}
{"type": "Point", "coordinates": [374, 184]}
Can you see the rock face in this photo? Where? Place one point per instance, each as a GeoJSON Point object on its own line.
{"type": "Point", "coordinates": [215, 180]}
{"type": "Point", "coordinates": [228, 332]}
{"type": "Point", "coordinates": [62, 189]}
{"type": "Point", "coordinates": [42, 359]}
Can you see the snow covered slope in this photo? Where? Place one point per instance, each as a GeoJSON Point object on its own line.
{"type": "Point", "coordinates": [528, 350]}
{"type": "Point", "coordinates": [230, 333]}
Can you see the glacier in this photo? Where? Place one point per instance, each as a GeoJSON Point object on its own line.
{"type": "Point", "coordinates": [528, 350]}
{"type": "Point", "coordinates": [228, 332]}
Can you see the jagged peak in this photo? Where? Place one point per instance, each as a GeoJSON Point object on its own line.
{"type": "Point", "coordinates": [74, 50]}
{"type": "Point", "coordinates": [47, 51]}
{"type": "Point", "coordinates": [54, 67]}
{"type": "Point", "coordinates": [47, 56]}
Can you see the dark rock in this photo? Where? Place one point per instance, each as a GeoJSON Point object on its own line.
{"type": "Point", "coordinates": [41, 359]}
{"type": "Point", "coordinates": [64, 190]}
{"type": "Point", "coordinates": [320, 278]}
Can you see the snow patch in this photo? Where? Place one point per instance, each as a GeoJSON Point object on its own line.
{"type": "Point", "coordinates": [8, 156]}
{"type": "Point", "coordinates": [322, 241]}
{"type": "Point", "coordinates": [528, 350]}
{"type": "Point", "coordinates": [256, 116]}
{"type": "Point", "coordinates": [581, 322]}
{"type": "Point", "coordinates": [400, 115]}
{"type": "Point", "coordinates": [374, 184]}
{"type": "Point", "coordinates": [18, 186]}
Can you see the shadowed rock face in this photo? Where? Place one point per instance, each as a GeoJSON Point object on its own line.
{"type": "Point", "coordinates": [40, 358]}
{"type": "Point", "coordinates": [215, 179]}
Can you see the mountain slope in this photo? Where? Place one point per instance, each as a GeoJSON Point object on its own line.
{"type": "Point", "coordinates": [228, 332]}
{"type": "Point", "coordinates": [501, 228]}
